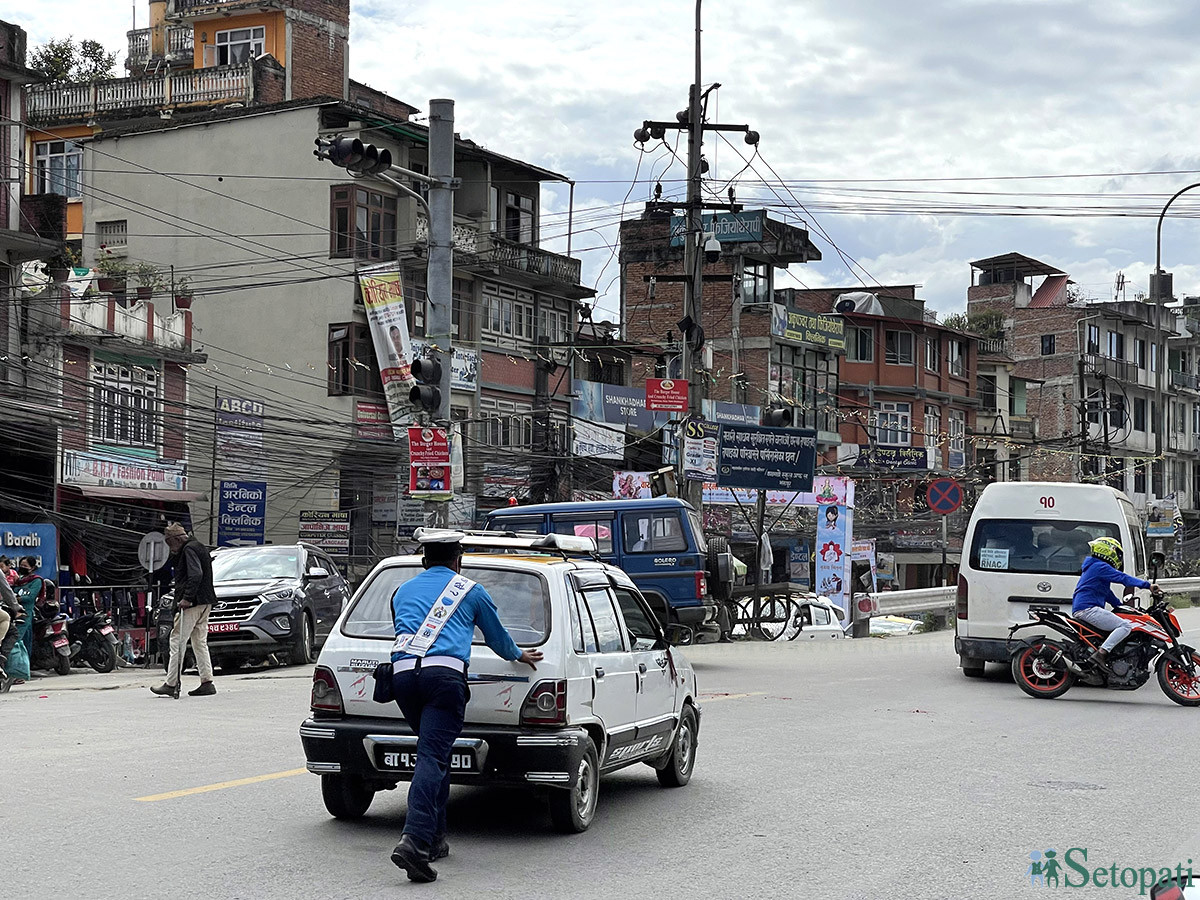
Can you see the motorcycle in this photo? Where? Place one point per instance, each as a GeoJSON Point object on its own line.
{"type": "Point", "coordinates": [1048, 666]}
{"type": "Point", "coordinates": [94, 641]}
{"type": "Point", "coordinates": [51, 642]}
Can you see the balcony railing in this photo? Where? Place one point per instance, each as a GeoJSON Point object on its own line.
{"type": "Point", "coordinates": [83, 100]}
{"type": "Point", "coordinates": [1184, 380]}
{"type": "Point", "coordinates": [139, 47]}
{"type": "Point", "coordinates": [992, 347]}
{"type": "Point", "coordinates": [466, 237]}
{"type": "Point", "coordinates": [533, 260]}
{"type": "Point", "coordinates": [1120, 369]}
{"type": "Point", "coordinates": [104, 314]}
{"type": "Point", "coordinates": [179, 46]}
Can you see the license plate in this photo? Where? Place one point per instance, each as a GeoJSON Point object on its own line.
{"type": "Point", "coordinates": [60, 642]}
{"type": "Point", "coordinates": [406, 760]}
{"type": "Point", "coordinates": [107, 629]}
{"type": "Point", "coordinates": [218, 627]}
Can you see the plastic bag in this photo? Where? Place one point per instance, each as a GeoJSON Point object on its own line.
{"type": "Point", "coordinates": [18, 662]}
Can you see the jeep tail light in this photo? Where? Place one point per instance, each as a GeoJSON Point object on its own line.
{"type": "Point", "coordinates": [325, 694]}
{"type": "Point", "coordinates": [961, 604]}
{"type": "Point", "coordinates": [546, 704]}
{"type": "Point", "coordinates": [701, 585]}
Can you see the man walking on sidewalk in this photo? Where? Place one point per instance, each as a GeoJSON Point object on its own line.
{"type": "Point", "coordinates": [194, 597]}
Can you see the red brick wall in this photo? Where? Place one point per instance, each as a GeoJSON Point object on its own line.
{"type": "Point", "coordinates": [508, 369]}
{"type": "Point", "coordinates": [318, 56]}
{"type": "Point", "coordinates": [76, 378]}
{"type": "Point", "coordinates": [174, 418]}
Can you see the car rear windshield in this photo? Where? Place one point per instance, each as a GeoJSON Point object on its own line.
{"type": "Point", "coordinates": [521, 598]}
{"type": "Point", "coordinates": [1034, 547]}
{"type": "Point", "coordinates": [255, 565]}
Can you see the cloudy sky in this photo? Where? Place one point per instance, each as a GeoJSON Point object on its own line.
{"type": "Point", "coordinates": [914, 137]}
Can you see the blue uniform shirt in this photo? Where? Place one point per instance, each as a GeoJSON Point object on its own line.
{"type": "Point", "coordinates": [1095, 585]}
{"type": "Point", "coordinates": [413, 600]}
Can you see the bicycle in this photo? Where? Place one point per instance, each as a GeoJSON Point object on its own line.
{"type": "Point", "coordinates": [776, 617]}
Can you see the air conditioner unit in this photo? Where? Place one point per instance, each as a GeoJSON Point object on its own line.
{"type": "Point", "coordinates": [860, 302]}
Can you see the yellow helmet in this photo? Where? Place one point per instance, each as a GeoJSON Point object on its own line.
{"type": "Point", "coordinates": [1108, 549]}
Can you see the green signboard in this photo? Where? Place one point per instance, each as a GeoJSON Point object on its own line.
{"type": "Point", "coordinates": [728, 228]}
{"type": "Point", "coordinates": [828, 331]}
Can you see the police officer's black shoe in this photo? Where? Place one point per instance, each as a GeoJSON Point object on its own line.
{"type": "Point", "coordinates": [413, 860]}
{"type": "Point", "coordinates": [440, 848]}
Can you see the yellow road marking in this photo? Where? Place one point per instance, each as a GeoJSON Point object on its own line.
{"type": "Point", "coordinates": [714, 699]}
{"type": "Point", "coordinates": [220, 786]}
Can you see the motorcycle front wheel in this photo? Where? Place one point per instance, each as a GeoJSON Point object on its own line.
{"type": "Point", "coordinates": [100, 654]}
{"type": "Point", "coordinates": [1176, 682]}
{"type": "Point", "coordinates": [1036, 674]}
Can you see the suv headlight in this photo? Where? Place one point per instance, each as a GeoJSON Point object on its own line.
{"type": "Point", "coordinates": [283, 593]}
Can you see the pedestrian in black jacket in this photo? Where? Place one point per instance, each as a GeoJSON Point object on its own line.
{"type": "Point", "coordinates": [194, 597]}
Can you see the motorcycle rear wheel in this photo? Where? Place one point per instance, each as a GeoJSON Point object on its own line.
{"type": "Point", "coordinates": [62, 664]}
{"type": "Point", "coordinates": [1037, 676]}
{"type": "Point", "coordinates": [1175, 681]}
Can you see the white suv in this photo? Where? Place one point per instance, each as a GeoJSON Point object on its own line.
{"type": "Point", "coordinates": [609, 693]}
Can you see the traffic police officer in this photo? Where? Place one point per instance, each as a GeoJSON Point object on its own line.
{"type": "Point", "coordinates": [435, 615]}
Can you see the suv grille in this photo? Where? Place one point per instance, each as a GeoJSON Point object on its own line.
{"type": "Point", "coordinates": [234, 609]}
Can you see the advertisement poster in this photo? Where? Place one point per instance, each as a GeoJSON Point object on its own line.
{"type": "Point", "coordinates": [327, 530]}
{"type": "Point", "coordinates": [598, 441]}
{"type": "Point", "coordinates": [833, 553]}
{"type": "Point", "coordinates": [464, 365]}
{"type": "Point", "coordinates": [799, 570]}
{"type": "Point", "coordinates": [885, 566]}
{"type": "Point", "coordinates": [773, 459]}
{"type": "Point", "coordinates": [240, 437]}
{"type": "Point", "coordinates": [18, 539]}
{"type": "Point", "coordinates": [700, 441]}
{"type": "Point", "coordinates": [667, 394]}
{"type": "Point", "coordinates": [383, 299]}
{"type": "Point", "coordinates": [864, 551]}
{"type": "Point", "coordinates": [101, 470]}
{"type": "Point", "coordinates": [1160, 519]}
{"type": "Point", "coordinates": [428, 463]}
{"type": "Point", "coordinates": [631, 485]}
{"type": "Point", "coordinates": [241, 513]}
{"type": "Point", "coordinates": [827, 489]}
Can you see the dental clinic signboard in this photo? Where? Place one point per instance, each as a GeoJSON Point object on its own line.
{"type": "Point", "coordinates": [241, 513]}
{"type": "Point", "coordinates": [19, 539]}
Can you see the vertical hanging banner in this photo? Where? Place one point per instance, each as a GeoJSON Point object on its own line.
{"type": "Point", "coordinates": [429, 463]}
{"type": "Point", "coordinates": [383, 299]}
{"type": "Point", "coordinates": [833, 552]}
{"type": "Point", "coordinates": [240, 438]}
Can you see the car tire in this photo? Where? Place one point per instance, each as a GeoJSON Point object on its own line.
{"type": "Point", "coordinates": [573, 810]}
{"type": "Point", "coordinates": [971, 667]}
{"type": "Point", "coordinates": [300, 652]}
{"type": "Point", "coordinates": [717, 545]}
{"type": "Point", "coordinates": [678, 770]}
{"type": "Point", "coordinates": [346, 796]}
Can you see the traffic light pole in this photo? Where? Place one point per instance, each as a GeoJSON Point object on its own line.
{"type": "Point", "coordinates": [439, 277]}
{"type": "Point", "coordinates": [693, 361]}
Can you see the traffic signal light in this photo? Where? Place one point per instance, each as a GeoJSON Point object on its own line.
{"type": "Point", "coordinates": [353, 155]}
{"type": "Point", "coordinates": [777, 417]}
{"type": "Point", "coordinates": [427, 392]}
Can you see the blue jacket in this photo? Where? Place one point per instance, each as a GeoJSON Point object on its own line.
{"type": "Point", "coordinates": [1095, 585]}
{"type": "Point", "coordinates": [413, 600]}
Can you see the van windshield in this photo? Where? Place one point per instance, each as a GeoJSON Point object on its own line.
{"type": "Point", "coordinates": [521, 599]}
{"type": "Point", "coordinates": [1035, 547]}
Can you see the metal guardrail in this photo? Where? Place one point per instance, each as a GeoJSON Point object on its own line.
{"type": "Point", "coordinates": [936, 599]}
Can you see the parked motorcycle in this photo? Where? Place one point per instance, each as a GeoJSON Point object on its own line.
{"type": "Point", "coordinates": [51, 642]}
{"type": "Point", "coordinates": [1047, 666]}
{"type": "Point", "coordinates": [94, 641]}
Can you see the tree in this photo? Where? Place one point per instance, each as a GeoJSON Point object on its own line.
{"type": "Point", "coordinates": [66, 60]}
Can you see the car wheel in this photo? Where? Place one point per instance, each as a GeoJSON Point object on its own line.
{"type": "Point", "coordinates": [572, 810]}
{"type": "Point", "coordinates": [346, 796]}
{"type": "Point", "coordinates": [678, 770]}
{"type": "Point", "coordinates": [300, 652]}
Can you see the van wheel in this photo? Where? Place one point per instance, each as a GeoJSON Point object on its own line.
{"type": "Point", "coordinates": [572, 810]}
{"type": "Point", "coordinates": [346, 796]}
{"type": "Point", "coordinates": [971, 667]}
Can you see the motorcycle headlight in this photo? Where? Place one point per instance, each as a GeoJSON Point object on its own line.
{"type": "Point", "coordinates": [283, 593]}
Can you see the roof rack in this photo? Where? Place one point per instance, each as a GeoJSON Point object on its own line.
{"type": "Point", "coordinates": [563, 544]}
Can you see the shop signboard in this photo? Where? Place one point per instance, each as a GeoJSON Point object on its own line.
{"type": "Point", "coordinates": [594, 441]}
{"type": "Point", "coordinates": [667, 394]}
{"type": "Point", "coordinates": [19, 539]}
{"type": "Point", "coordinates": [429, 463]}
{"type": "Point", "coordinates": [726, 227]}
{"type": "Point", "coordinates": [724, 413]}
{"type": "Point", "coordinates": [777, 459]}
{"type": "Point", "coordinates": [240, 437]}
{"type": "Point", "coordinates": [464, 365]}
{"type": "Point", "coordinates": [326, 529]}
{"type": "Point", "coordinates": [241, 513]}
{"type": "Point", "coordinates": [371, 421]}
{"type": "Point", "coordinates": [804, 327]}
{"type": "Point", "coordinates": [114, 470]}
{"type": "Point", "coordinates": [827, 489]}
{"type": "Point", "coordinates": [892, 457]}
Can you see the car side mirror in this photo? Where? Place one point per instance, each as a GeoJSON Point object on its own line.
{"type": "Point", "coordinates": [314, 574]}
{"type": "Point", "coordinates": [679, 635]}
{"type": "Point", "coordinates": [1173, 889]}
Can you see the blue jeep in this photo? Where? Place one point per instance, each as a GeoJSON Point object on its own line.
{"type": "Point", "coordinates": [660, 543]}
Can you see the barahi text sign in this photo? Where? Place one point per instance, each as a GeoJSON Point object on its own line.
{"type": "Point", "coordinates": [771, 459]}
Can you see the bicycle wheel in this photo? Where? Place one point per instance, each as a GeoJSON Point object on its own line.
{"type": "Point", "coordinates": [740, 619]}
{"type": "Point", "coordinates": [774, 617]}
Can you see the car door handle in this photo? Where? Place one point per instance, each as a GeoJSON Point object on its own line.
{"type": "Point", "coordinates": [599, 672]}
{"type": "Point", "coordinates": [642, 668]}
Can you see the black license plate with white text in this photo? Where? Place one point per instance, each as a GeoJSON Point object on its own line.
{"type": "Point", "coordinates": [389, 759]}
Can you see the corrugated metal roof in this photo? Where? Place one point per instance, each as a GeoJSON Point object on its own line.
{"type": "Point", "coordinates": [1053, 292]}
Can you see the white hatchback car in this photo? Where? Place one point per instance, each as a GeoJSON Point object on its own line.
{"type": "Point", "coordinates": [609, 693]}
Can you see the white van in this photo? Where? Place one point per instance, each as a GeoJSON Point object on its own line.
{"type": "Point", "coordinates": [1024, 547]}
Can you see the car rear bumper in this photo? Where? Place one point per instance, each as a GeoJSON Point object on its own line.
{"type": "Point", "coordinates": [695, 615]}
{"type": "Point", "coordinates": [504, 755]}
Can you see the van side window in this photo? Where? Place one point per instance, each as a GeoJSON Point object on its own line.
{"type": "Point", "coordinates": [600, 604]}
{"type": "Point", "coordinates": [653, 532]}
{"type": "Point", "coordinates": [601, 530]}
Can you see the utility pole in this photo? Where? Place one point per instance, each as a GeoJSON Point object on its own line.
{"type": "Point", "coordinates": [541, 466]}
{"type": "Point", "coordinates": [439, 277]}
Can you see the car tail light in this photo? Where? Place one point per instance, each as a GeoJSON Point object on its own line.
{"type": "Point", "coordinates": [546, 704]}
{"type": "Point", "coordinates": [701, 584]}
{"type": "Point", "coordinates": [961, 605]}
{"type": "Point", "coordinates": [326, 697]}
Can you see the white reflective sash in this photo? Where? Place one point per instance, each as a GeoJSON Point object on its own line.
{"type": "Point", "coordinates": [443, 608]}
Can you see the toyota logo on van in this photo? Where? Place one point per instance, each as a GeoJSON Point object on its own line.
{"type": "Point", "coordinates": [1045, 587]}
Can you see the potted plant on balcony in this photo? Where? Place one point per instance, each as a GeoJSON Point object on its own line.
{"type": "Point", "coordinates": [183, 293]}
{"type": "Point", "coordinates": [112, 272]}
{"type": "Point", "coordinates": [149, 279]}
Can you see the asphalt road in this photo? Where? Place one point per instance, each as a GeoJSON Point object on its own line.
{"type": "Point", "coordinates": [848, 769]}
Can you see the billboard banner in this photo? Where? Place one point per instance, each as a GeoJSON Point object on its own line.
{"type": "Point", "coordinates": [241, 513]}
{"type": "Point", "coordinates": [772, 459]}
{"type": "Point", "coordinates": [803, 327]}
{"type": "Point", "coordinates": [383, 299]}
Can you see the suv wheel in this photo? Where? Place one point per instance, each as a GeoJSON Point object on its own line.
{"type": "Point", "coordinates": [300, 652]}
{"type": "Point", "coordinates": [572, 811]}
{"type": "Point", "coordinates": [346, 796]}
{"type": "Point", "coordinates": [678, 770]}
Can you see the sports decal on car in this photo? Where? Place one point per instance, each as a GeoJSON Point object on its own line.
{"type": "Point", "coordinates": [639, 749]}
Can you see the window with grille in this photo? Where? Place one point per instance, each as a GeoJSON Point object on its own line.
{"type": "Point", "coordinates": [352, 366]}
{"type": "Point", "coordinates": [58, 168]}
{"type": "Point", "coordinates": [240, 45]}
{"type": "Point", "coordinates": [125, 405]}
{"type": "Point", "coordinates": [505, 424]}
{"type": "Point", "coordinates": [362, 223]}
{"type": "Point", "coordinates": [113, 235]}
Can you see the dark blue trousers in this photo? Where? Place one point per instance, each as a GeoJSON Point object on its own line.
{"type": "Point", "coordinates": [433, 702]}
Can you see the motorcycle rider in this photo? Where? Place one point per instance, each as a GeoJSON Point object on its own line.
{"type": "Point", "coordinates": [1101, 570]}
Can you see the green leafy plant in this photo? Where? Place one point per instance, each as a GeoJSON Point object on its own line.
{"type": "Point", "coordinates": [111, 266]}
{"type": "Point", "coordinates": [148, 276]}
{"type": "Point", "coordinates": [66, 60]}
